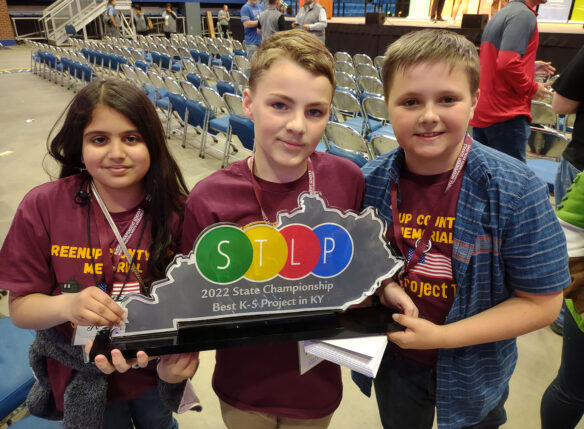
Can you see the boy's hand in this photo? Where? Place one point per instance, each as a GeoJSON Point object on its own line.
{"type": "Point", "coordinates": [178, 367]}
{"type": "Point", "coordinates": [93, 307]}
{"type": "Point", "coordinates": [420, 334]}
{"type": "Point", "coordinates": [393, 295]}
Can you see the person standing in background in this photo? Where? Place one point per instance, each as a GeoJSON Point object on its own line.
{"type": "Point", "coordinates": [562, 404]}
{"type": "Point", "coordinates": [223, 20]}
{"type": "Point", "coordinates": [250, 13]}
{"type": "Point", "coordinates": [568, 99]}
{"type": "Point", "coordinates": [436, 10]}
{"type": "Point", "coordinates": [111, 20]}
{"type": "Point", "coordinates": [169, 17]}
{"type": "Point", "coordinates": [508, 67]}
{"type": "Point", "coordinates": [312, 18]}
{"type": "Point", "coordinates": [456, 8]}
{"type": "Point", "coordinates": [271, 20]}
{"type": "Point", "coordinates": [140, 21]}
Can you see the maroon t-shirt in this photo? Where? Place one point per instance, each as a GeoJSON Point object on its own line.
{"type": "Point", "coordinates": [266, 378]}
{"type": "Point", "coordinates": [430, 283]}
{"type": "Point", "coordinates": [47, 245]}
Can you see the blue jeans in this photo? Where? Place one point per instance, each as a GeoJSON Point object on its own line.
{"type": "Point", "coordinates": [509, 137]}
{"type": "Point", "coordinates": [406, 396]}
{"type": "Point", "coordinates": [562, 404]}
{"type": "Point", "coordinates": [145, 412]}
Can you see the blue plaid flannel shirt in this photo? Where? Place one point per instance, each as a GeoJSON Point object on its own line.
{"type": "Point", "coordinates": [506, 238]}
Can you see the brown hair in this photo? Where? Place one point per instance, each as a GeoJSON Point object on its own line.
{"type": "Point", "coordinates": [427, 46]}
{"type": "Point", "coordinates": [299, 46]}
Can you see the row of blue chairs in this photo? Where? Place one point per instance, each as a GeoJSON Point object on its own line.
{"type": "Point", "coordinates": [49, 64]}
{"type": "Point", "coordinates": [17, 377]}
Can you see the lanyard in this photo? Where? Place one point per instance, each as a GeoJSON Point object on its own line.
{"type": "Point", "coordinates": [423, 244]}
{"type": "Point", "coordinates": [257, 190]}
{"type": "Point", "coordinates": [122, 241]}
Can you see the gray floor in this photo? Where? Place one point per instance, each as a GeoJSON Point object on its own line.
{"type": "Point", "coordinates": [30, 105]}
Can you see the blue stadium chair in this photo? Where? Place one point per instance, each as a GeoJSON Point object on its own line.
{"type": "Point", "coordinates": [244, 129]}
{"type": "Point", "coordinates": [32, 422]}
{"type": "Point", "coordinates": [17, 376]}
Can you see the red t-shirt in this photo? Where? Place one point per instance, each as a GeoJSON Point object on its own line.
{"type": "Point", "coordinates": [48, 245]}
{"type": "Point", "coordinates": [266, 378]}
{"type": "Point", "coordinates": [430, 283]}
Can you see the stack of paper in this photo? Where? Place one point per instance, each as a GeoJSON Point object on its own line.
{"type": "Point", "coordinates": [362, 354]}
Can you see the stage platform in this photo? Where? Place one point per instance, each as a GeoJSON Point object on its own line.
{"type": "Point", "coordinates": [558, 42]}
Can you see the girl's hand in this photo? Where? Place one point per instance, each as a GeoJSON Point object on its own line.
{"type": "Point", "coordinates": [119, 362]}
{"type": "Point", "coordinates": [395, 296]}
{"type": "Point", "coordinates": [178, 367]}
{"type": "Point", "coordinates": [93, 307]}
{"type": "Point", "coordinates": [419, 334]}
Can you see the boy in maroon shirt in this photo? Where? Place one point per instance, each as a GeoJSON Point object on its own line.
{"type": "Point", "coordinates": [289, 99]}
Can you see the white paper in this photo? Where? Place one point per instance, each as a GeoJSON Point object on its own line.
{"type": "Point", "coordinates": [361, 354]}
{"type": "Point", "coordinates": [306, 361]}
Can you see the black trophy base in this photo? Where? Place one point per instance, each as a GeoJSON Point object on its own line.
{"type": "Point", "coordinates": [234, 332]}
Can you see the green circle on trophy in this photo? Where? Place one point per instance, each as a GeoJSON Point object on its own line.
{"type": "Point", "coordinates": [224, 254]}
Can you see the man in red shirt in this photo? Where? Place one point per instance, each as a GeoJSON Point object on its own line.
{"type": "Point", "coordinates": [508, 49]}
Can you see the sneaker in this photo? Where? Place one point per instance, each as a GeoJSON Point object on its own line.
{"type": "Point", "coordinates": [571, 208]}
{"type": "Point", "coordinates": [440, 19]}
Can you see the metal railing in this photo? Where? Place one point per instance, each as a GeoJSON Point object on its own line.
{"type": "Point", "coordinates": [79, 13]}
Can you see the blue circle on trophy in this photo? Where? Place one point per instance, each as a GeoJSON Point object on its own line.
{"type": "Point", "coordinates": [336, 250]}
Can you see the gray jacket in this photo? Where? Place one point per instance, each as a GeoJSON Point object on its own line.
{"type": "Point", "coordinates": [269, 21]}
{"type": "Point", "coordinates": [314, 15]}
{"type": "Point", "coordinates": [169, 25]}
{"type": "Point", "coordinates": [141, 22]}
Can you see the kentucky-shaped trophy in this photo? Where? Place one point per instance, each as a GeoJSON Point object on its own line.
{"type": "Point", "coordinates": [294, 280]}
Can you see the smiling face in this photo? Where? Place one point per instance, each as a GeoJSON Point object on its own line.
{"type": "Point", "coordinates": [290, 108]}
{"type": "Point", "coordinates": [117, 158]}
{"type": "Point", "coordinates": [429, 106]}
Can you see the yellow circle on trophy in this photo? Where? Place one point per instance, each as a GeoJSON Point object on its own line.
{"type": "Point", "coordinates": [270, 252]}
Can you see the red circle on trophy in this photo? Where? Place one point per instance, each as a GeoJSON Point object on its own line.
{"type": "Point", "coordinates": [303, 251]}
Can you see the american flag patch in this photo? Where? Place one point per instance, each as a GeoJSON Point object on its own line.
{"type": "Point", "coordinates": [128, 288]}
{"type": "Point", "coordinates": [432, 265]}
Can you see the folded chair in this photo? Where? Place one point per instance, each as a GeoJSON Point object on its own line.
{"type": "Point", "coordinates": [544, 151]}
{"type": "Point", "coordinates": [381, 144]}
{"type": "Point", "coordinates": [244, 129]}
{"type": "Point", "coordinates": [347, 138]}
{"type": "Point", "coordinates": [376, 116]}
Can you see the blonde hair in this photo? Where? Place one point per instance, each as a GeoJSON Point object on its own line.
{"type": "Point", "coordinates": [299, 46]}
{"type": "Point", "coordinates": [429, 46]}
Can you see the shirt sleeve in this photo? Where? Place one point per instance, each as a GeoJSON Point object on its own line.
{"type": "Point", "coordinates": [533, 244]}
{"type": "Point", "coordinates": [514, 42]}
{"type": "Point", "coordinates": [570, 83]}
{"type": "Point", "coordinates": [246, 14]}
{"type": "Point", "coordinates": [25, 254]}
